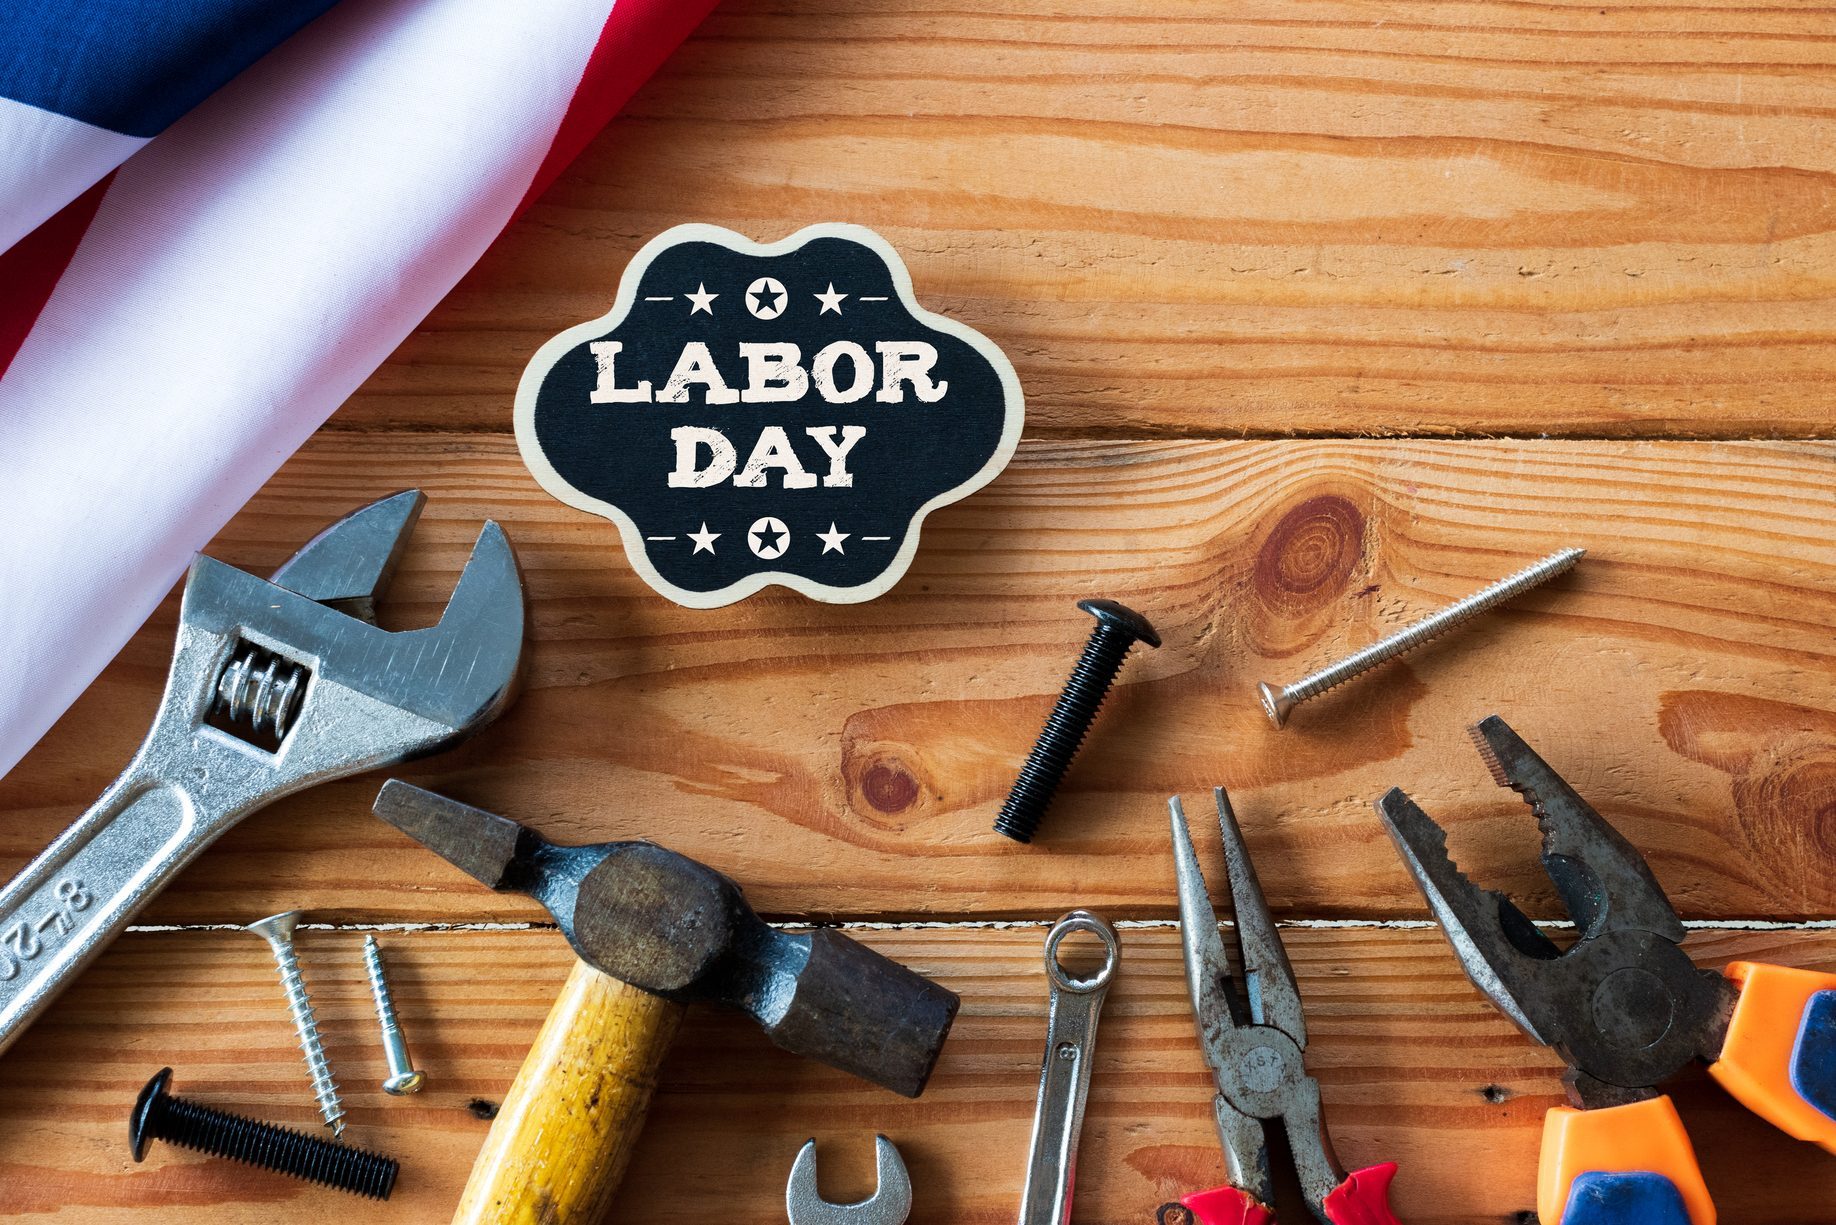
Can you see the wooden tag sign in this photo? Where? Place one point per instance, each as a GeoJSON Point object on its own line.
{"type": "Point", "coordinates": [750, 415]}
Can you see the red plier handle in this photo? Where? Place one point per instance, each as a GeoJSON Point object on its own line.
{"type": "Point", "coordinates": [1362, 1199]}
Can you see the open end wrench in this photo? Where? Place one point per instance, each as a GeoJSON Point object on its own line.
{"type": "Point", "coordinates": [890, 1203]}
{"type": "Point", "coordinates": [335, 695]}
{"type": "Point", "coordinates": [1064, 1080]}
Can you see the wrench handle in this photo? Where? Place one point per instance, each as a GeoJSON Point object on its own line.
{"type": "Point", "coordinates": [80, 892]}
{"type": "Point", "coordinates": [558, 1148]}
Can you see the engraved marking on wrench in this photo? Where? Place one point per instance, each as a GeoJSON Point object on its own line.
{"type": "Point", "coordinates": [72, 896]}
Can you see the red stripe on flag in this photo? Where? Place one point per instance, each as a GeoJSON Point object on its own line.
{"type": "Point", "coordinates": [31, 267]}
{"type": "Point", "coordinates": [637, 38]}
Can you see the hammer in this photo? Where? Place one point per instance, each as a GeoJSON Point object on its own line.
{"type": "Point", "coordinates": [655, 931]}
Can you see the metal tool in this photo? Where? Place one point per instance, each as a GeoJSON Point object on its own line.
{"type": "Point", "coordinates": [1254, 1040]}
{"type": "Point", "coordinates": [403, 1077]}
{"type": "Point", "coordinates": [256, 658]}
{"type": "Point", "coordinates": [1278, 702]}
{"type": "Point", "coordinates": [277, 930]}
{"type": "Point", "coordinates": [1064, 1075]}
{"type": "Point", "coordinates": [1118, 628]}
{"type": "Point", "coordinates": [1624, 1005]}
{"type": "Point", "coordinates": [160, 1116]}
{"type": "Point", "coordinates": [890, 1203]}
{"type": "Point", "coordinates": [655, 931]}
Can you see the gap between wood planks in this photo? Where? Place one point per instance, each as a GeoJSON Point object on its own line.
{"type": "Point", "coordinates": [1745, 925]}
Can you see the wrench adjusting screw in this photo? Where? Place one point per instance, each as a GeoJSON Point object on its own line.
{"type": "Point", "coordinates": [1278, 702]}
{"type": "Point", "coordinates": [160, 1116]}
{"type": "Point", "coordinates": [277, 930]}
{"type": "Point", "coordinates": [403, 1078]}
{"type": "Point", "coordinates": [1117, 629]}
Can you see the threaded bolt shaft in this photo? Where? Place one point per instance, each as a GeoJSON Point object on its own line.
{"type": "Point", "coordinates": [403, 1078]}
{"type": "Point", "coordinates": [1278, 702]}
{"type": "Point", "coordinates": [1117, 630]}
{"type": "Point", "coordinates": [160, 1116]}
{"type": "Point", "coordinates": [277, 930]}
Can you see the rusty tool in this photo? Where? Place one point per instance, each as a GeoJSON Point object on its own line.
{"type": "Point", "coordinates": [276, 685]}
{"type": "Point", "coordinates": [655, 931]}
{"type": "Point", "coordinates": [1624, 1005]}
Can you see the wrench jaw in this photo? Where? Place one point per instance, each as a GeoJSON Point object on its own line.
{"type": "Point", "coordinates": [350, 564]}
{"type": "Point", "coordinates": [890, 1203]}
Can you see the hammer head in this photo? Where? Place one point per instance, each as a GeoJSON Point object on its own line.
{"type": "Point", "coordinates": [676, 928]}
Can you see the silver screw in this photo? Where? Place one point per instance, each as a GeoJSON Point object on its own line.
{"type": "Point", "coordinates": [277, 930]}
{"type": "Point", "coordinates": [1278, 702]}
{"type": "Point", "coordinates": [402, 1075]}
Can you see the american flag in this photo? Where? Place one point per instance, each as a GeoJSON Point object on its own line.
{"type": "Point", "coordinates": [217, 217]}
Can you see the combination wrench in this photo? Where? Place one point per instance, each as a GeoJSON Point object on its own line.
{"type": "Point", "coordinates": [276, 685]}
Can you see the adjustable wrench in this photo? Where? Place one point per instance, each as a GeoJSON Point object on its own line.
{"type": "Point", "coordinates": [275, 686]}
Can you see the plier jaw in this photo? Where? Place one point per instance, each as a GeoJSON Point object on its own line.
{"type": "Point", "coordinates": [1254, 1039]}
{"type": "Point", "coordinates": [1624, 1005]}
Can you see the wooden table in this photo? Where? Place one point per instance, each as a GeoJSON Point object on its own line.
{"type": "Point", "coordinates": [1327, 313]}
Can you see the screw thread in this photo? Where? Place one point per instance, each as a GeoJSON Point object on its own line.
{"type": "Point", "coordinates": [379, 986]}
{"type": "Point", "coordinates": [324, 1088]}
{"type": "Point", "coordinates": [1064, 733]}
{"type": "Point", "coordinates": [1410, 637]}
{"type": "Point", "coordinates": [268, 1147]}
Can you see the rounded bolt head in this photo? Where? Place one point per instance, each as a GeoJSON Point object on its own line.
{"type": "Point", "coordinates": [407, 1082]}
{"type": "Point", "coordinates": [143, 1110]}
{"type": "Point", "coordinates": [276, 926]}
{"type": "Point", "coordinates": [1123, 618]}
{"type": "Point", "coordinates": [1275, 703]}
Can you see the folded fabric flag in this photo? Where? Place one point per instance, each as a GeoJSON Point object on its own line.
{"type": "Point", "coordinates": [83, 85]}
{"type": "Point", "coordinates": [178, 330]}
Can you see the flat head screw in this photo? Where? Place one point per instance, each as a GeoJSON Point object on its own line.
{"type": "Point", "coordinates": [160, 1116]}
{"type": "Point", "coordinates": [1278, 702]}
{"type": "Point", "coordinates": [277, 930]}
{"type": "Point", "coordinates": [403, 1078]}
{"type": "Point", "coordinates": [1118, 628]}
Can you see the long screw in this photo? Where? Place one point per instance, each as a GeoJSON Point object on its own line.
{"type": "Point", "coordinates": [160, 1116]}
{"type": "Point", "coordinates": [403, 1078]}
{"type": "Point", "coordinates": [1117, 629]}
{"type": "Point", "coordinates": [277, 930]}
{"type": "Point", "coordinates": [1278, 702]}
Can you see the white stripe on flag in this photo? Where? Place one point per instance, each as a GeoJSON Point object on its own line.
{"type": "Point", "coordinates": [46, 161]}
{"type": "Point", "coordinates": [242, 277]}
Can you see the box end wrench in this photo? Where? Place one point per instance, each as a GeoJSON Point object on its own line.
{"type": "Point", "coordinates": [275, 685]}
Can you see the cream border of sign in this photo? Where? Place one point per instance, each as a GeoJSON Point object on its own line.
{"type": "Point", "coordinates": [550, 354]}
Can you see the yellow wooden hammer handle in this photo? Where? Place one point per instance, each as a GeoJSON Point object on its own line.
{"type": "Point", "coordinates": [561, 1140]}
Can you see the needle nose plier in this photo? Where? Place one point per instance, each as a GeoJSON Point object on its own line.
{"type": "Point", "coordinates": [1624, 1006]}
{"type": "Point", "coordinates": [1254, 1041]}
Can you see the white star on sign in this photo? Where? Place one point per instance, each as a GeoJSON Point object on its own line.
{"type": "Point", "coordinates": [831, 301]}
{"type": "Point", "coordinates": [704, 539]}
{"type": "Point", "coordinates": [704, 301]}
{"type": "Point", "coordinates": [766, 298]}
{"type": "Point", "coordinates": [832, 539]}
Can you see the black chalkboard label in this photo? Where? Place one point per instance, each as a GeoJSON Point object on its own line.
{"type": "Point", "coordinates": [755, 414]}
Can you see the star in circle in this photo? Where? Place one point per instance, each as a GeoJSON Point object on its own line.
{"type": "Point", "coordinates": [832, 539]}
{"type": "Point", "coordinates": [702, 299]}
{"type": "Point", "coordinates": [768, 538]}
{"type": "Point", "coordinates": [704, 539]}
{"type": "Point", "coordinates": [765, 298]}
{"type": "Point", "coordinates": [831, 301]}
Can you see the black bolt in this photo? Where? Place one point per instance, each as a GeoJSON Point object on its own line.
{"type": "Point", "coordinates": [1117, 629]}
{"type": "Point", "coordinates": [160, 1116]}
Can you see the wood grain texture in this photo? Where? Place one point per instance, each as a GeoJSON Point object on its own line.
{"type": "Point", "coordinates": [847, 762]}
{"type": "Point", "coordinates": [1283, 216]}
{"type": "Point", "coordinates": [1415, 1066]}
{"type": "Point", "coordinates": [564, 1133]}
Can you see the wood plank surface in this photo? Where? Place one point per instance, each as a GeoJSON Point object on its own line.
{"type": "Point", "coordinates": [1327, 313]}
{"type": "Point", "coordinates": [847, 762]}
{"type": "Point", "coordinates": [1416, 1067]}
{"type": "Point", "coordinates": [1282, 216]}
